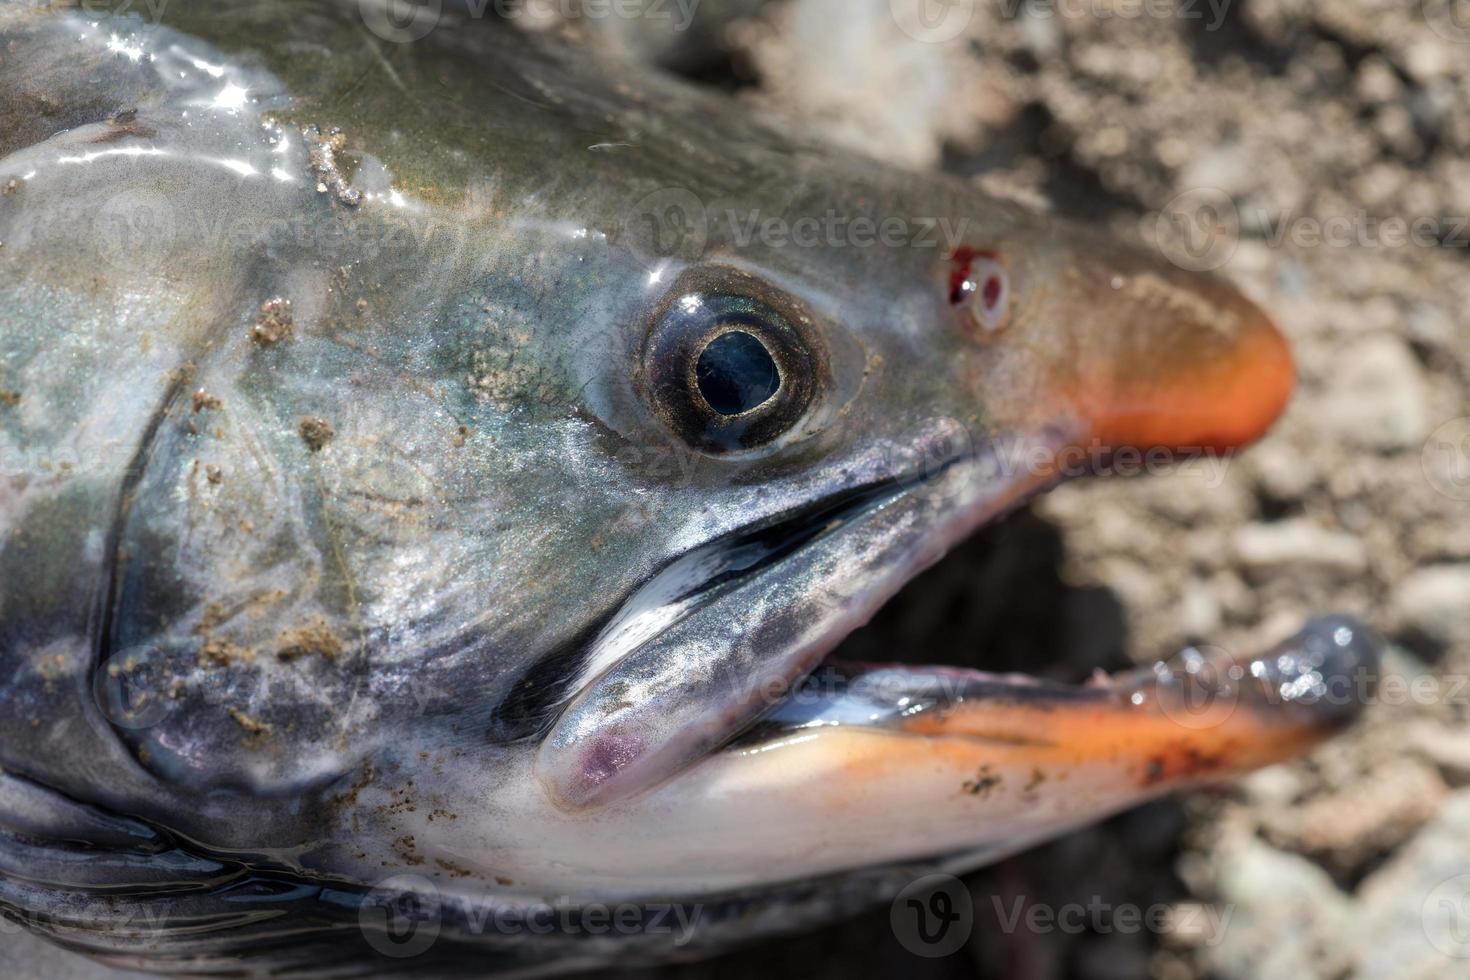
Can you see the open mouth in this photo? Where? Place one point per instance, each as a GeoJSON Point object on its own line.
{"type": "Point", "coordinates": [699, 576]}
{"type": "Point", "coordinates": [739, 643]}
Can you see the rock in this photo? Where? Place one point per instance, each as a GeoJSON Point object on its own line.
{"type": "Point", "coordinates": [1434, 604]}
{"type": "Point", "coordinates": [1350, 828]}
{"type": "Point", "coordinates": [1377, 399]}
{"type": "Point", "coordinates": [1286, 916]}
{"type": "Point", "coordinates": [1448, 747]}
{"type": "Point", "coordinates": [1412, 916]}
{"type": "Point", "coordinates": [1377, 82]}
{"type": "Point", "coordinates": [1273, 787]}
{"type": "Point", "coordinates": [1281, 470]}
{"type": "Point", "coordinates": [834, 64]}
{"type": "Point", "coordinates": [1199, 613]}
{"type": "Point", "coordinates": [1298, 543]}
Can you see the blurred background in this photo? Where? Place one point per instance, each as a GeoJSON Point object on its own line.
{"type": "Point", "coordinates": [1318, 154]}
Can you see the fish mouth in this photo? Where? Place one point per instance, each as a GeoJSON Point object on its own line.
{"type": "Point", "coordinates": [721, 634]}
{"type": "Point", "coordinates": [1288, 696]}
{"type": "Point", "coordinates": [735, 646]}
{"type": "Point", "coordinates": [1292, 694]}
{"type": "Point", "coordinates": [684, 586]}
{"type": "Point", "coordinates": [731, 772]}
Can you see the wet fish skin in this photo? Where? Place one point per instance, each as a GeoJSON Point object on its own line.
{"type": "Point", "coordinates": [333, 450]}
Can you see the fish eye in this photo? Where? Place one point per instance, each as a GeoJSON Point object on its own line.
{"type": "Point", "coordinates": [982, 286]}
{"type": "Point", "coordinates": [725, 364]}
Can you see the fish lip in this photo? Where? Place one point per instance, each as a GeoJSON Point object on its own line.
{"type": "Point", "coordinates": [684, 585]}
{"type": "Point", "coordinates": [1321, 678]}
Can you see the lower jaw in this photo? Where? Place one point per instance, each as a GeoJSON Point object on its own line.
{"type": "Point", "coordinates": [1202, 714]}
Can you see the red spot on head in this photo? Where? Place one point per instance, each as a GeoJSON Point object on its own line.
{"type": "Point", "coordinates": [961, 285]}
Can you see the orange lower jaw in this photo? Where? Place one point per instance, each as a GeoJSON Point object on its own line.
{"type": "Point", "coordinates": [1202, 716]}
{"type": "Point", "coordinates": [1143, 748]}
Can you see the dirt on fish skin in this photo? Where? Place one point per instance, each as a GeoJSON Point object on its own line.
{"type": "Point", "coordinates": [223, 653]}
{"type": "Point", "coordinates": [323, 151]}
{"type": "Point", "coordinates": [273, 322]}
{"type": "Point", "coordinates": [255, 728]}
{"type": "Point", "coordinates": [316, 433]}
{"type": "Point", "coordinates": [9, 398]}
{"type": "Point", "coordinates": [309, 641]}
{"type": "Point", "coordinates": [202, 399]}
{"type": "Point", "coordinates": [454, 870]}
{"type": "Point", "coordinates": [124, 124]}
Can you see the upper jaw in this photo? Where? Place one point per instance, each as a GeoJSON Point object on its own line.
{"type": "Point", "coordinates": [750, 614]}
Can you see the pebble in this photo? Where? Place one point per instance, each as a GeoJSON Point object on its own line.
{"type": "Point", "coordinates": [1282, 470]}
{"type": "Point", "coordinates": [1411, 919]}
{"type": "Point", "coordinates": [1199, 611]}
{"type": "Point", "coordinates": [1434, 602]}
{"type": "Point", "coordinates": [1287, 918]}
{"type": "Point", "coordinates": [1377, 399]}
{"type": "Point", "coordinates": [1298, 543]}
{"type": "Point", "coordinates": [1348, 829]}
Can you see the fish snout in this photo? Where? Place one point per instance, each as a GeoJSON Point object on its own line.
{"type": "Point", "coordinates": [1203, 368]}
{"type": "Point", "coordinates": [1119, 348]}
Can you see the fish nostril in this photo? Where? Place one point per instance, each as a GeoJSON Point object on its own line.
{"type": "Point", "coordinates": [980, 284]}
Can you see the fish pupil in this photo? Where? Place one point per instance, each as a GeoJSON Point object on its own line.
{"type": "Point", "coordinates": [736, 373]}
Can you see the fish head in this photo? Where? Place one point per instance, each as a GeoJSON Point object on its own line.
{"type": "Point", "coordinates": [865, 368]}
{"type": "Point", "coordinates": [501, 536]}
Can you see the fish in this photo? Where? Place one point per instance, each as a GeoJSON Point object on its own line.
{"type": "Point", "coordinates": [437, 467]}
